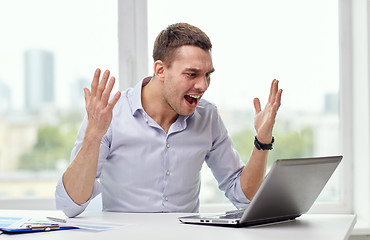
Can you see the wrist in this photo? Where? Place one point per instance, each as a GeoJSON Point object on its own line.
{"type": "Point", "coordinates": [92, 137]}
{"type": "Point", "coordinates": [263, 145]}
{"type": "Point", "coordinates": [264, 138]}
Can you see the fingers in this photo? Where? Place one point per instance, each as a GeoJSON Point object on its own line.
{"type": "Point", "coordinates": [278, 99]}
{"type": "Point", "coordinates": [108, 90]}
{"type": "Point", "coordinates": [95, 82]}
{"type": "Point", "coordinates": [87, 96]}
{"type": "Point", "coordinates": [271, 87]}
{"type": "Point", "coordinates": [274, 99]}
{"type": "Point", "coordinates": [114, 100]}
{"type": "Point", "coordinates": [101, 90]}
{"type": "Point", "coordinates": [265, 120]}
{"type": "Point", "coordinates": [276, 105]}
{"type": "Point", "coordinates": [257, 105]}
{"type": "Point", "coordinates": [273, 91]}
{"type": "Point", "coordinates": [102, 84]}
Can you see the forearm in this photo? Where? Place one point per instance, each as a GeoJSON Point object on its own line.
{"type": "Point", "coordinates": [254, 172]}
{"type": "Point", "coordinates": [79, 178]}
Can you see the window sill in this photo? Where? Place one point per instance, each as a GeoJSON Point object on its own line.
{"type": "Point", "coordinates": [362, 227]}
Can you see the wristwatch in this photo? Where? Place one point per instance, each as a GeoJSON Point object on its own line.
{"type": "Point", "coordinates": [261, 146]}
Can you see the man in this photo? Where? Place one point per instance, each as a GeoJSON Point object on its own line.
{"type": "Point", "coordinates": [144, 150]}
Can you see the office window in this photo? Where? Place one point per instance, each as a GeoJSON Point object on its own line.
{"type": "Point", "coordinates": [254, 42]}
{"type": "Point", "coordinates": [49, 51]}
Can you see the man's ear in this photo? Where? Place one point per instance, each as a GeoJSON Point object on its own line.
{"type": "Point", "coordinates": [160, 70]}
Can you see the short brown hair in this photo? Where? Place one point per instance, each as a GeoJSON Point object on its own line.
{"type": "Point", "coordinates": [177, 35]}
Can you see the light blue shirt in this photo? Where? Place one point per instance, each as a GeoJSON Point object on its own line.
{"type": "Point", "coordinates": [142, 168]}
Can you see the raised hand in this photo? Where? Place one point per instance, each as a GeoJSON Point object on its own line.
{"type": "Point", "coordinates": [265, 119]}
{"type": "Point", "coordinates": [79, 177]}
{"type": "Point", "coordinates": [98, 107]}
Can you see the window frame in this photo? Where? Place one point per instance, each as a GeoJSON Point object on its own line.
{"type": "Point", "coordinates": [356, 107]}
{"type": "Point", "coordinates": [354, 104]}
{"type": "Point", "coordinates": [354, 37]}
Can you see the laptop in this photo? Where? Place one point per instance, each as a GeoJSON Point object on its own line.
{"type": "Point", "coordinates": [288, 191]}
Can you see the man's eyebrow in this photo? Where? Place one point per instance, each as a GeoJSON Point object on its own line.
{"type": "Point", "coordinates": [198, 70]}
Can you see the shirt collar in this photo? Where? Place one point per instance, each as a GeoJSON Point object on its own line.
{"type": "Point", "coordinates": [135, 99]}
{"type": "Point", "coordinates": [135, 95]}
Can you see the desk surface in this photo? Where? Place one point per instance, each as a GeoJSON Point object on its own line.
{"type": "Point", "coordinates": [166, 226]}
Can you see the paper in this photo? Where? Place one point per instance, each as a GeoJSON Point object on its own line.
{"type": "Point", "coordinates": [22, 223]}
{"type": "Point", "coordinates": [10, 223]}
{"type": "Point", "coordinates": [92, 225]}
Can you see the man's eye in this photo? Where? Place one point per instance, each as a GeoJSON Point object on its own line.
{"type": "Point", "coordinates": [191, 74]}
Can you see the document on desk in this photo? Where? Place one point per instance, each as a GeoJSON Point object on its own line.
{"type": "Point", "coordinates": [26, 224]}
{"type": "Point", "coordinates": [14, 225]}
{"type": "Point", "coordinates": [92, 225]}
{"type": "Point", "coordinates": [10, 222]}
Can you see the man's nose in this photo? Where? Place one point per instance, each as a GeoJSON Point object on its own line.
{"type": "Point", "coordinates": [202, 83]}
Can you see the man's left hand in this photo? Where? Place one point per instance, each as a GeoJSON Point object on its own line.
{"type": "Point", "coordinates": [265, 119]}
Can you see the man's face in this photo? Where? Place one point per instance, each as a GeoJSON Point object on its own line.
{"type": "Point", "coordinates": [187, 79]}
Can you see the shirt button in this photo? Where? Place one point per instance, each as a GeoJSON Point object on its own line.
{"type": "Point", "coordinates": [168, 145]}
{"type": "Point", "coordinates": [168, 173]}
{"type": "Point", "coordinates": [166, 198]}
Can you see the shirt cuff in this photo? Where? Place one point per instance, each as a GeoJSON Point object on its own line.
{"type": "Point", "coordinates": [67, 205]}
{"type": "Point", "coordinates": [241, 200]}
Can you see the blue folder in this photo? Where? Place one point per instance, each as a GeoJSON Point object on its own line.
{"type": "Point", "coordinates": [46, 228]}
{"type": "Point", "coordinates": [16, 225]}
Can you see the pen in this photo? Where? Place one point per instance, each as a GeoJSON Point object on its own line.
{"type": "Point", "coordinates": [57, 219]}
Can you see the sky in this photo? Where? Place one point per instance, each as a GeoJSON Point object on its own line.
{"type": "Point", "coordinates": [253, 43]}
{"type": "Point", "coordinates": [257, 41]}
{"type": "Point", "coordinates": [82, 35]}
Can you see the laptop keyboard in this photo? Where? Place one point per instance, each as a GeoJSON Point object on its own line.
{"type": "Point", "coordinates": [232, 215]}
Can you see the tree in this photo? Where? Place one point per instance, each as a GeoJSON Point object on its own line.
{"type": "Point", "coordinates": [289, 144]}
{"type": "Point", "coordinates": [54, 143]}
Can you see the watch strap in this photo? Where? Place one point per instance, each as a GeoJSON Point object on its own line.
{"type": "Point", "coordinates": [262, 146]}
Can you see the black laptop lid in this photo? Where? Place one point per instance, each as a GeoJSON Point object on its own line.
{"type": "Point", "coordinates": [290, 188]}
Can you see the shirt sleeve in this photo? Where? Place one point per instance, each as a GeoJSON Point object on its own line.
{"type": "Point", "coordinates": [67, 205]}
{"type": "Point", "coordinates": [62, 199]}
{"type": "Point", "coordinates": [225, 163]}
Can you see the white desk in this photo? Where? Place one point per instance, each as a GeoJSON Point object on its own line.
{"type": "Point", "coordinates": [166, 226]}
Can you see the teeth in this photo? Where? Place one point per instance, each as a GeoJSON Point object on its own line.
{"type": "Point", "coordinates": [195, 96]}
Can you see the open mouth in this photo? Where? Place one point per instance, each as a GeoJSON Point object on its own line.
{"type": "Point", "coordinates": [192, 100]}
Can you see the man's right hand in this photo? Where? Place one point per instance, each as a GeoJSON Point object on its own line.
{"type": "Point", "coordinates": [98, 107]}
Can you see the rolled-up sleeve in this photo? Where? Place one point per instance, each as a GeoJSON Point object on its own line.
{"type": "Point", "coordinates": [67, 205]}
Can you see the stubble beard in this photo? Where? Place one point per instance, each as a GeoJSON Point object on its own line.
{"type": "Point", "coordinates": [170, 100]}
